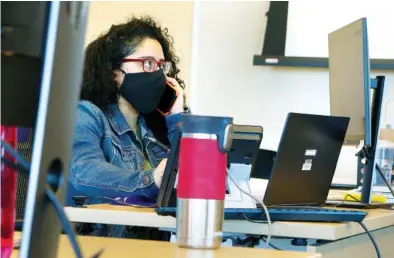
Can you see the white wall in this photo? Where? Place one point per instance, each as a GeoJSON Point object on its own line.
{"type": "Point", "coordinates": [225, 82]}
{"type": "Point", "coordinates": [307, 30]}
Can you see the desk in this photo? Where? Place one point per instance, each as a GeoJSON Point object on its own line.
{"type": "Point", "coordinates": [146, 217]}
{"type": "Point", "coordinates": [343, 239]}
{"type": "Point", "coordinates": [114, 247]}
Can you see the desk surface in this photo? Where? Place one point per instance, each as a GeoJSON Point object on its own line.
{"type": "Point", "coordinates": [114, 247]}
{"type": "Point", "coordinates": [146, 217]}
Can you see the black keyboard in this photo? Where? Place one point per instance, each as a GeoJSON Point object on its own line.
{"type": "Point", "coordinates": [284, 214]}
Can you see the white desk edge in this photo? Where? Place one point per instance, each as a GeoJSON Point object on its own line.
{"type": "Point", "coordinates": [324, 231]}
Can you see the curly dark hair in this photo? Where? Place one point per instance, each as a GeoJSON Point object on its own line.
{"type": "Point", "coordinates": [104, 55]}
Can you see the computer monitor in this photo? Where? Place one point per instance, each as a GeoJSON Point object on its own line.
{"type": "Point", "coordinates": [350, 79]}
{"type": "Point", "coordinates": [354, 94]}
{"type": "Point", "coordinates": [42, 63]}
{"type": "Point", "coordinates": [262, 168]}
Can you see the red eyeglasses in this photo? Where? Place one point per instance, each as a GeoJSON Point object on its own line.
{"type": "Point", "coordinates": [150, 65]}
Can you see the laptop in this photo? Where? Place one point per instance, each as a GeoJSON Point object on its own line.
{"type": "Point", "coordinates": [302, 174]}
{"type": "Point", "coordinates": [304, 166]}
{"type": "Point", "coordinates": [306, 160]}
{"type": "Point", "coordinates": [265, 160]}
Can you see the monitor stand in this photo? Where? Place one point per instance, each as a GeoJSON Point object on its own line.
{"type": "Point", "coordinates": [368, 153]}
{"type": "Point", "coordinates": [235, 198]}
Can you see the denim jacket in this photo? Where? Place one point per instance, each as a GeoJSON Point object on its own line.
{"type": "Point", "coordinates": [107, 157]}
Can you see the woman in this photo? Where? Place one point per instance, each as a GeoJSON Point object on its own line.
{"type": "Point", "coordinates": [121, 140]}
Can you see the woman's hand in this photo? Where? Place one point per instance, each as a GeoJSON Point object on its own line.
{"type": "Point", "coordinates": [178, 105]}
{"type": "Point", "coordinates": [158, 172]}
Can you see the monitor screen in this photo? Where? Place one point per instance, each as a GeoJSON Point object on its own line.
{"type": "Point", "coordinates": [349, 79]}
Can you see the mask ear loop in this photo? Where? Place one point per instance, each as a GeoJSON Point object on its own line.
{"type": "Point", "coordinates": [106, 96]}
{"type": "Point", "coordinates": [121, 71]}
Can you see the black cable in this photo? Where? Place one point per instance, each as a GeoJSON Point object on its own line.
{"type": "Point", "coordinates": [98, 254]}
{"type": "Point", "coordinates": [51, 178]}
{"type": "Point", "coordinates": [371, 237]}
{"type": "Point", "coordinates": [52, 197]}
{"type": "Point", "coordinates": [379, 169]}
{"type": "Point", "coordinates": [10, 163]}
{"type": "Point", "coordinates": [62, 216]}
{"type": "Point", "coordinates": [16, 155]}
{"type": "Point", "coordinates": [351, 196]}
{"type": "Point", "coordinates": [354, 198]}
{"type": "Point", "coordinates": [254, 221]}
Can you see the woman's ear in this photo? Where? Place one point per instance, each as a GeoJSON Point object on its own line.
{"type": "Point", "coordinates": [118, 77]}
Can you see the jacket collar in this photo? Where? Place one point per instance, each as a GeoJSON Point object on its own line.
{"type": "Point", "coordinates": [119, 124]}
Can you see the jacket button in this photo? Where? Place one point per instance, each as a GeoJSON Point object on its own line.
{"type": "Point", "coordinates": [146, 180]}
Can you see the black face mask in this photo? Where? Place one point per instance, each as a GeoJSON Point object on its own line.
{"type": "Point", "coordinates": [143, 90]}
